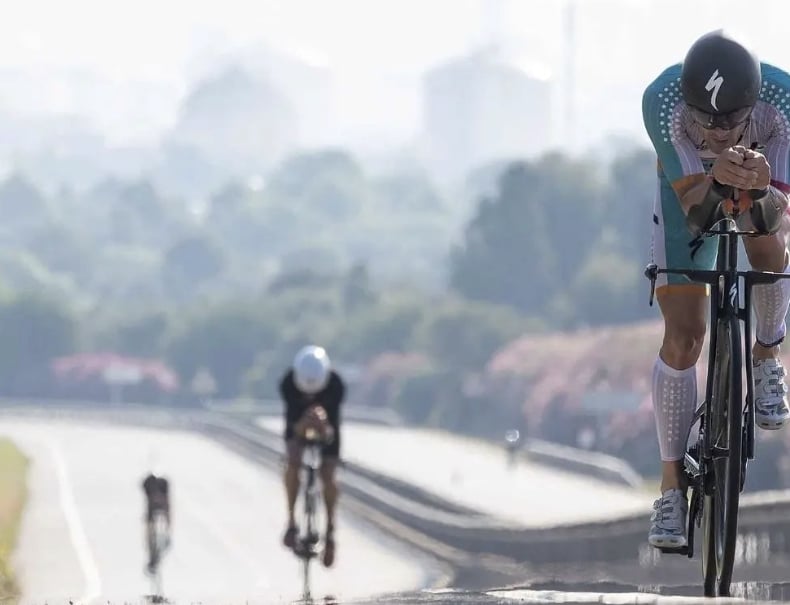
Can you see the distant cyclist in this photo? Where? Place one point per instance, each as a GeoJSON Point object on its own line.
{"type": "Point", "coordinates": [157, 499]}
{"type": "Point", "coordinates": [720, 125]}
{"type": "Point", "coordinates": [512, 445]}
{"type": "Point", "coordinates": [312, 393]}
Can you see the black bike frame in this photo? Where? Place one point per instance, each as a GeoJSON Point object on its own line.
{"type": "Point", "coordinates": [724, 282]}
{"type": "Point", "coordinates": [305, 541]}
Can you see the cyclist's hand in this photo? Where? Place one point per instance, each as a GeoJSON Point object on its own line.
{"type": "Point", "coordinates": [728, 169]}
{"type": "Point", "coordinates": [318, 413]}
{"type": "Point", "coordinates": [758, 163]}
{"type": "Point", "coordinates": [315, 418]}
{"type": "Point", "coordinates": [320, 421]}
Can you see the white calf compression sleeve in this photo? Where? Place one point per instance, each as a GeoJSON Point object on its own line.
{"type": "Point", "coordinates": [770, 302]}
{"type": "Point", "coordinates": [674, 400]}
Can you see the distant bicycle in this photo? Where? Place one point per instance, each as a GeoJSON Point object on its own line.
{"type": "Point", "coordinates": [308, 541]}
{"type": "Point", "coordinates": [158, 546]}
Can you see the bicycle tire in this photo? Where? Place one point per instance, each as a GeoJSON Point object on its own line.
{"type": "Point", "coordinates": [309, 523]}
{"type": "Point", "coordinates": [723, 477]}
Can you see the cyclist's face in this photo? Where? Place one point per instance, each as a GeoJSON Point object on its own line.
{"type": "Point", "coordinates": [721, 131]}
{"type": "Point", "coordinates": [719, 139]}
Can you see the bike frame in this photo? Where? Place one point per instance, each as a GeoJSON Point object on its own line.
{"type": "Point", "coordinates": [726, 283]}
{"type": "Point", "coordinates": [726, 279]}
{"type": "Point", "coordinates": [158, 549]}
{"type": "Point", "coordinates": [308, 540]}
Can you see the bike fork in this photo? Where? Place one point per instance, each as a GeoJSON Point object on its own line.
{"type": "Point", "coordinates": [748, 426]}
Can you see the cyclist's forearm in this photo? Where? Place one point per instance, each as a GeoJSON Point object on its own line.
{"type": "Point", "coordinates": [707, 193]}
{"type": "Point", "coordinates": [708, 197]}
{"type": "Point", "coordinates": [768, 207]}
{"type": "Point", "coordinates": [300, 426]}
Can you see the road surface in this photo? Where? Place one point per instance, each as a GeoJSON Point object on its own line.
{"type": "Point", "coordinates": [82, 533]}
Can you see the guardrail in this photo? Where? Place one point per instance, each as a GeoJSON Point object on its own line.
{"type": "Point", "coordinates": [602, 466]}
{"type": "Point", "coordinates": [473, 541]}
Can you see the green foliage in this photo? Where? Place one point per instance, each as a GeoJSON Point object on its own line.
{"type": "Point", "coordinates": [21, 271]}
{"type": "Point", "coordinates": [35, 330]}
{"type": "Point", "coordinates": [142, 336]}
{"type": "Point", "coordinates": [191, 262]}
{"type": "Point", "coordinates": [324, 184]}
{"type": "Point", "coordinates": [61, 248]}
{"type": "Point", "coordinates": [318, 249]}
{"type": "Point", "coordinates": [226, 340]}
{"type": "Point", "coordinates": [558, 242]}
{"type": "Point", "coordinates": [461, 335]}
{"type": "Point", "coordinates": [390, 325]}
{"type": "Point", "coordinates": [22, 205]}
{"type": "Point", "coordinates": [417, 396]}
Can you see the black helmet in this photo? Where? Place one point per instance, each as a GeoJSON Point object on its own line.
{"type": "Point", "coordinates": [720, 76]}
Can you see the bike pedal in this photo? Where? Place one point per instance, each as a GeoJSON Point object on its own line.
{"type": "Point", "coordinates": [681, 550]}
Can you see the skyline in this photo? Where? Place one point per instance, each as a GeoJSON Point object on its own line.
{"type": "Point", "coordinates": [129, 65]}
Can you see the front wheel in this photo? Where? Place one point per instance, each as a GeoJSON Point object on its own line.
{"type": "Point", "coordinates": [310, 538]}
{"type": "Point", "coordinates": [722, 477]}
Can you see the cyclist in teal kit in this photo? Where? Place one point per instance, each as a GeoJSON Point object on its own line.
{"type": "Point", "coordinates": [719, 123]}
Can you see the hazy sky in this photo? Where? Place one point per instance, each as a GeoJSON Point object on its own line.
{"type": "Point", "coordinates": [147, 50]}
{"type": "Point", "coordinates": [154, 38]}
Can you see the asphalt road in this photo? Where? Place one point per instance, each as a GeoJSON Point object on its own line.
{"type": "Point", "coordinates": [82, 535]}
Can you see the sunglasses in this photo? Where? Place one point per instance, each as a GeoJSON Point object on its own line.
{"type": "Point", "coordinates": [726, 121]}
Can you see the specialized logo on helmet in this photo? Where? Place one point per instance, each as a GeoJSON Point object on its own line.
{"type": "Point", "coordinates": [714, 84]}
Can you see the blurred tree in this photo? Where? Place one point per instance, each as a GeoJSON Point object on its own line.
{"type": "Point", "coordinates": [144, 335]}
{"type": "Point", "coordinates": [387, 326]}
{"type": "Point", "coordinates": [237, 120]}
{"type": "Point", "coordinates": [411, 192]}
{"type": "Point", "coordinates": [63, 248]}
{"type": "Point", "coordinates": [22, 206]}
{"type": "Point", "coordinates": [318, 258]}
{"type": "Point", "coordinates": [629, 202]}
{"type": "Point", "coordinates": [190, 262]}
{"type": "Point", "coordinates": [508, 255]}
{"type": "Point", "coordinates": [606, 287]}
{"type": "Point", "coordinates": [463, 336]}
{"type": "Point", "coordinates": [417, 395]}
{"type": "Point", "coordinates": [323, 184]}
{"type": "Point", "coordinates": [127, 273]}
{"type": "Point", "coordinates": [302, 278]}
{"type": "Point", "coordinates": [526, 246]}
{"type": "Point", "coordinates": [184, 170]}
{"type": "Point", "coordinates": [35, 330]}
{"type": "Point", "coordinates": [138, 214]}
{"type": "Point", "coordinates": [21, 271]}
{"type": "Point", "coordinates": [226, 340]}
{"type": "Point", "coordinates": [357, 290]}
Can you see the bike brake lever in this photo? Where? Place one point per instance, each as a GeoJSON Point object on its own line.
{"type": "Point", "coordinates": [651, 272]}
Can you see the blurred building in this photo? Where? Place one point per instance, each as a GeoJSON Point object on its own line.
{"type": "Point", "coordinates": [485, 106]}
{"type": "Point", "coordinates": [238, 120]}
{"type": "Point", "coordinates": [304, 77]}
{"type": "Point", "coordinates": [301, 76]}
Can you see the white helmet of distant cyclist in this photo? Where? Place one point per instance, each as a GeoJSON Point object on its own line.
{"type": "Point", "coordinates": [312, 369]}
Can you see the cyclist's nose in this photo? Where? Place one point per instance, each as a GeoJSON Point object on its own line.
{"type": "Point", "coordinates": [721, 134]}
